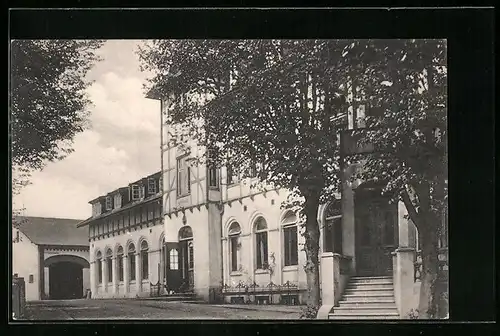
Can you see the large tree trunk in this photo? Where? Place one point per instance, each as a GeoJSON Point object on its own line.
{"type": "Point", "coordinates": [311, 248]}
{"type": "Point", "coordinates": [430, 291]}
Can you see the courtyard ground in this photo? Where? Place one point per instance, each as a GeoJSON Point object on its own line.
{"type": "Point", "coordinates": [119, 309]}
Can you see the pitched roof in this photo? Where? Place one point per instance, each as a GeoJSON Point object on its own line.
{"type": "Point", "coordinates": [53, 231]}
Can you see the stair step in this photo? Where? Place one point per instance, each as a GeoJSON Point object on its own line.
{"type": "Point", "coordinates": [363, 317]}
{"type": "Point", "coordinates": [368, 289]}
{"type": "Point", "coordinates": [370, 284]}
{"type": "Point", "coordinates": [364, 300]}
{"type": "Point", "coordinates": [367, 305]}
{"type": "Point", "coordinates": [363, 311]}
{"type": "Point", "coordinates": [369, 294]}
{"type": "Point", "coordinates": [370, 281]}
{"type": "Point", "coordinates": [357, 277]}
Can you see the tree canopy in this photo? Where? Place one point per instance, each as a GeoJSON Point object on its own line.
{"type": "Point", "coordinates": [48, 102]}
{"type": "Point", "coordinates": [282, 104]}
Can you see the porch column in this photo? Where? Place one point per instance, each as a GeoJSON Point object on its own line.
{"type": "Point", "coordinates": [104, 274]}
{"type": "Point", "coordinates": [86, 281]}
{"type": "Point", "coordinates": [93, 288]}
{"type": "Point", "coordinates": [330, 276]}
{"type": "Point", "coordinates": [138, 275]}
{"type": "Point", "coordinates": [404, 282]}
{"type": "Point", "coordinates": [403, 225]}
{"type": "Point", "coordinates": [115, 275]}
{"type": "Point", "coordinates": [126, 275]}
{"type": "Point", "coordinates": [46, 283]}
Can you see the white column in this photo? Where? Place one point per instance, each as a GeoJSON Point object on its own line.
{"type": "Point", "coordinates": [404, 281]}
{"type": "Point", "coordinates": [93, 287]}
{"type": "Point", "coordinates": [126, 275]}
{"type": "Point", "coordinates": [138, 275]}
{"type": "Point", "coordinates": [115, 275]}
{"type": "Point", "coordinates": [86, 281]}
{"type": "Point", "coordinates": [403, 225]}
{"type": "Point", "coordinates": [104, 275]}
{"type": "Point", "coordinates": [46, 273]}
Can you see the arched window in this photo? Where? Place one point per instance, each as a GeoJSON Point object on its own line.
{"type": "Point", "coordinates": [261, 243]}
{"type": "Point", "coordinates": [145, 260]}
{"type": "Point", "coordinates": [185, 233]}
{"type": "Point", "coordinates": [234, 233]}
{"type": "Point", "coordinates": [109, 264]}
{"type": "Point", "coordinates": [119, 259]}
{"type": "Point", "coordinates": [290, 239]}
{"type": "Point", "coordinates": [99, 266]}
{"type": "Point", "coordinates": [332, 231]}
{"type": "Point", "coordinates": [131, 260]}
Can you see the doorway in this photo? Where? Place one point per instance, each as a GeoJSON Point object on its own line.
{"type": "Point", "coordinates": [65, 281]}
{"type": "Point", "coordinates": [179, 257]}
{"type": "Point", "coordinates": [376, 233]}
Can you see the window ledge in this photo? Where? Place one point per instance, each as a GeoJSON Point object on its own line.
{"type": "Point", "coordinates": [145, 281]}
{"type": "Point", "coordinates": [183, 195]}
{"type": "Point", "coordinates": [132, 282]}
{"type": "Point", "coordinates": [290, 268]}
{"type": "Point", "coordinates": [261, 271]}
{"type": "Point", "coordinates": [235, 273]}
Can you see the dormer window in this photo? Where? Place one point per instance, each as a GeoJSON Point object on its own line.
{"type": "Point", "coordinates": [118, 201]}
{"type": "Point", "coordinates": [109, 203]}
{"type": "Point", "coordinates": [136, 191]}
{"type": "Point", "coordinates": [96, 209]}
{"type": "Point", "coordinates": [151, 186]}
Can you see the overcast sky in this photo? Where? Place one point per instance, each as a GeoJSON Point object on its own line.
{"type": "Point", "coordinates": [122, 145]}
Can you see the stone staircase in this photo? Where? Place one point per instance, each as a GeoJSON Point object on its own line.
{"type": "Point", "coordinates": [367, 298]}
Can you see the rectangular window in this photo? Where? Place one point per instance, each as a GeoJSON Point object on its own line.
{"type": "Point", "coordinates": [120, 268]}
{"type": "Point", "coordinates": [118, 201]}
{"type": "Point", "coordinates": [31, 278]}
{"type": "Point", "coordinates": [333, 235]}
{"type": "Point", "coordinates": [109, 203]}
{"type": "Point", "coordinates": [131, 258]}
{"type": "Point", "coordinates": [145, 265]}
{"type": "Point", "coordinates": [389, 227]}
{"type": "Point", "coordinates": [136, 193]}
{"type": "Point", "coordinates": [174, 259]}
{"type": "Point", "coordinates": [109, 263]}
{"type": "Point", "coordinates": [253, 169]}
{"type": "Point", "coordinates": [234, 241]}
{"type": "Point", "coordinates": [230, 178]}
{"type": "Point", "coordinates": [212, 177]}
{"type": "Point", "coordinates": [99, 270]}
{"type": "Point", "coordinates": [183, 177]}
{"type": "Point", "coordinates": [291, 245]}
{"type": "Point", "coordinates": [151, 186]}
{"type": "Point", "coordinates": [261, 238]}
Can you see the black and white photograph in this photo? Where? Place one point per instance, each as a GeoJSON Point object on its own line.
{"type": "Point", "coordinates": [229, 179]}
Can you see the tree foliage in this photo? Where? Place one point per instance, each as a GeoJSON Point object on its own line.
{"type": "Point", "coordinates": [281, 104]}
{"type": "Point", "coordinates": [409, 140]}
{"type": "Point", "coordinates": [48, 102]}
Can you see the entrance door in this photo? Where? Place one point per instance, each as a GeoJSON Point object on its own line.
{"type": "Point", "coordinates": [187, 265]}
{"type": "Point", "coordinates": [65, 281]}
{"type": "Point", "coordinates": [172, 266]}
{"type": "Point", "coordinates": [376, 234]}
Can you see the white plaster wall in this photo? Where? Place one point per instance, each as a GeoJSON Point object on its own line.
{"type": "Point", "coordinates": [25, 261]}
{"type": "Point", "coordinates": [256, 206]}
{"type": "Point", "coordinates": [153, 235]}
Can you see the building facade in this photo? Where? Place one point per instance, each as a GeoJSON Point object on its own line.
{"type": "Point", "coordinates": [51, 254]}
{"type": "Point", "coordinates": [227, 241]}
{"type": "Point", "coordinates": [126, 239]}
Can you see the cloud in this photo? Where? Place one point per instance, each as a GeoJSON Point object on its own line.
{"type": "Point", "coordinates": [122, 145]}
